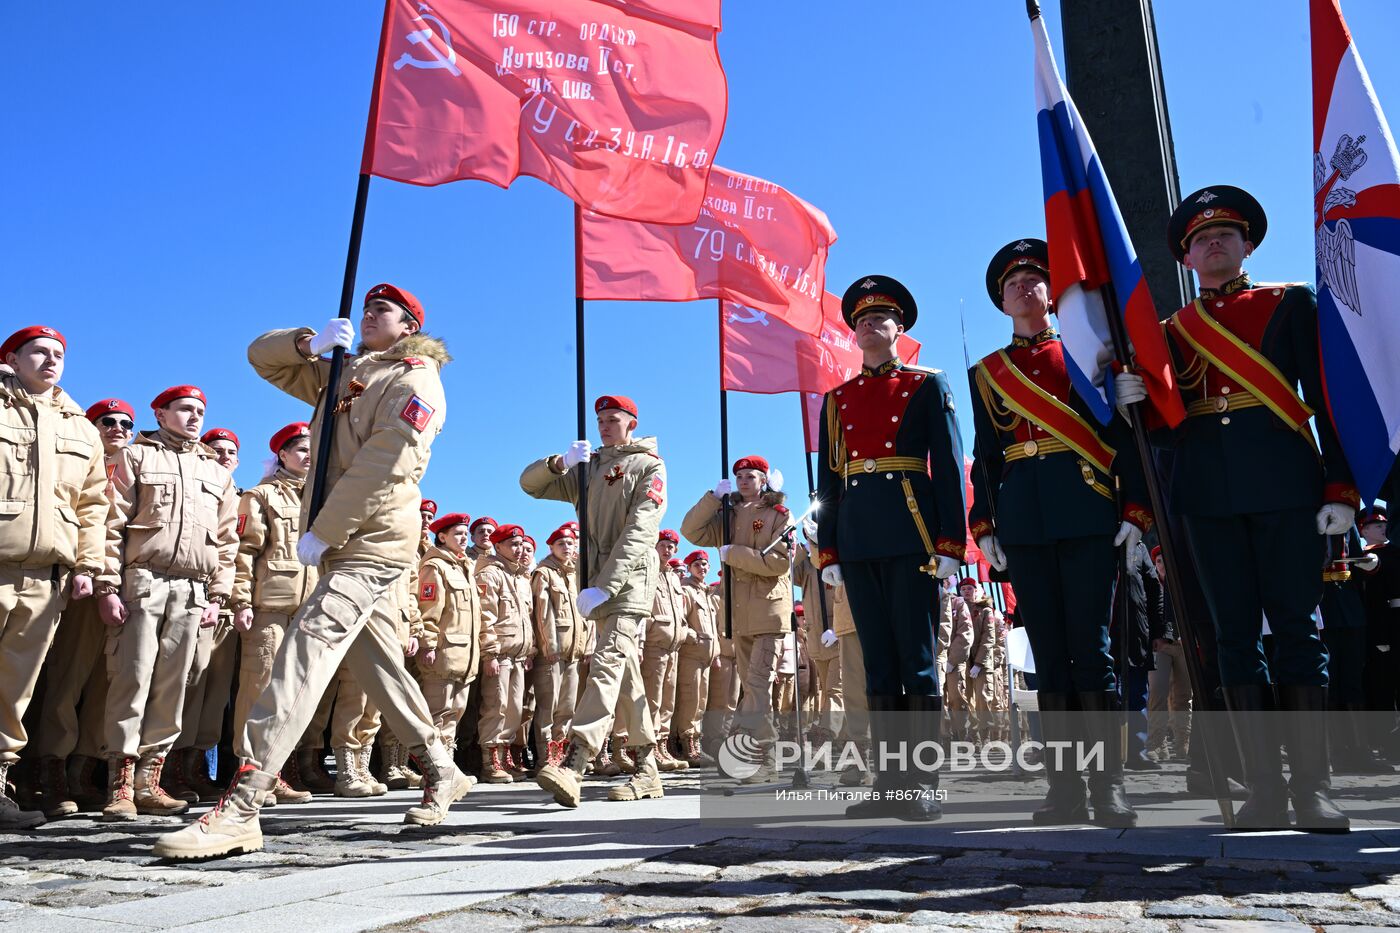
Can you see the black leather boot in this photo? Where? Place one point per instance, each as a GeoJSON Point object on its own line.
{"type": "Point", "coordinates": [1351, 751]}
{"type": "Point", "coordinates": [886, 715]}
{"type": "Point", "coordinates": [1066, 802]}
{"type": "Point", "coordinates": [1253, 716]}
{"type": "Point", "coordinates": [1103, 721]}
{"type": "Point", "coordinates": [1309, 781]}
{"type": "Point", "coordinates": [923, 723]}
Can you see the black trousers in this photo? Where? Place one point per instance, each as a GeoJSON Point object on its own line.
{"type": "Point", "coordinates": [892, 603]}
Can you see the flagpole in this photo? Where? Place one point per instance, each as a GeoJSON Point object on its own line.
{"type": "Point", "coordinates": [724, 469]}
{"type": "Point", "coordinates": [580, 398]}
{"type": "Point", "coordinates": [812, 497]}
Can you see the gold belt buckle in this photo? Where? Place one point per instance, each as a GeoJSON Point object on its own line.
{"type": "Point", "coordinates": [1030, 448]}
{"type": "Point", "coordinates": [1221, 403]}
{"type": "Point", "coordinates": [1087, 472]}
{"type": "Point", "coordinates": [869, 465]}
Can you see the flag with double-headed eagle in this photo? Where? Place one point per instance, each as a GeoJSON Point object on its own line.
{"type": "Point", "coordinates": [1356, 214]}
{"type": "Point", "coordinates": [1091, 255]}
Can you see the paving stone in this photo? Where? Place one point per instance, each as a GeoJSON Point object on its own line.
{"type": "Point", "coordinates": [871, 895]}
{"type": "Point", "coordinates": [1185, 910]}
{"type": "Point", "coordinates": [1259, 864]}
{"type": "Point", "coordinates": [983, 861]}
{"type": "Point", "coordinates": [782, 925]}
{"type": "Point", "coordinates": [747, 888]}
{"type": "Point", "coordinates": [994, 923]}
{"type": "Point", "coordinates": [1241, 926]}
{"type": "Point", "coordinates": [682, 922]}
{"type": "Point", "coordinates": [1090, 925]}
{"type": "Point", "coordinates": [1377, 891]}
{"type": "Point", "coordinates": [665, 904]}
{"type": "Point", "coordinates": [549, 906]}
{"type": "Point", "coordinates": [1110, 910]}
{"type": "Point", "coordinates": [1372, 918]}
{"type": "Point", "coordinates": [798, 867]}
{"type": "Point", "coordinates": [1300, 899]}
{"type": "Point", "coordinates": [690, 869]}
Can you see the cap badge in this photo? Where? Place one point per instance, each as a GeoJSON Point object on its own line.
{"type": "Point", "coordinates": [868, 283]}
{"type": "Point", "coordinates": [1206, 197]}
{"type": "Point", "coordinates": [1021, 247]}
{"type": "Point", "coordinates": [1208, 212]}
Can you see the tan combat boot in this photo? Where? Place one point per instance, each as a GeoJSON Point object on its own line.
{"type": "Point", "coordinates": [151, 798]}
{"type": "Point", "coordinates": [311, 765]}
{"type": "Point", "coordinates": [646, 782]}
{"type": "Point", "coordinates": [286, 793]}
{"type": "Point", "coordinates": [493, 767]}
{"type": "Point", "coordinates": [120, 777]}
{"type": "Point", "coordinates": [398, 775]}
{"type": "Point", "coordinates": [622, 756]}
{"type": "Point", "coordinates": [11, 816]}
{"type": "Point", "coordinates": [695, 755]}
{"type": "Point", "coordinates": [231, 826]}
{"type": "Point", "coordinates": [565, 780]}
{"type": "Point", "coordinates": [514, 760]}
{"type": "Point", "coordinates": [174, 780]}
{"type": "Point", "coordinates": [82, 782]}
{"type": "Point", "coordinates": [443, 784]}
{"type": "Point", "coordinates": [53, 788]}
{"type": "Point", "coordinates": [348, 782]}
{"type": "Point", "coordinates": [767, 768]}
{"type": "Point", "coordinates": [604, 766]}
{"type": "Point", "coordinates": [366, 775]}
{"type": "Point", "coordinates": [197, 774]}
{"type": "Point", "coordinates": [665, 761]}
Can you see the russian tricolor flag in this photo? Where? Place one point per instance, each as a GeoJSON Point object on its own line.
{"type": "Point", "coordinates": [1356, 213]}
{"type": "Point", "coordinates": [1089, 251]}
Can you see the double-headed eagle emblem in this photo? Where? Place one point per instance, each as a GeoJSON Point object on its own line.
{"type": "Point", "coordinates": [1336, 247]}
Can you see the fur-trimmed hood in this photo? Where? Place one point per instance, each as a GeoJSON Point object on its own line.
{"type": "Point", "coordinates": [771, 498]}
{"type": "Point", "coordinates": [422, 346]}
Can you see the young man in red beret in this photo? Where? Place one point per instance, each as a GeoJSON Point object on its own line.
{"type": "Point", "coordinates": [51, 528]}
{"type": "Point", "coordinates": [75, 701]}
{"type": "Point", "coordinates": [699, 652]}
{"type": "Point", "coordinates": [364, 541]}
{"type": "Point", "coordinates": [626, 500]}
{"type": "Point", "coordinates": [171, 540]}
{"type": "Point", "coordinates": [561, 639]}
{"type": "Point", "coordinates": [449, 658]}
{"type": "Point", "coordinates": [666, 631]}
{"type": "Point", "coordinates": [481, 531]}
{"type": "Point", "coordinates": [507, 649]}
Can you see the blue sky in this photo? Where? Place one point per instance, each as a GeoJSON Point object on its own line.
{"type": "Point", "coordinates": [180, 179]}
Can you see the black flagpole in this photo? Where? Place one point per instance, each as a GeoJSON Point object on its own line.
{"type": "Point", "coordinates": [581, 401]}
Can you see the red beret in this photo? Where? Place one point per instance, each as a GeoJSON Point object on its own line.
{"type": "Point", "coordinates": [673, 562]}
{"type": "Point", "coordinates": [966, 581]}
{"type": "Point", "coordinates": [288, 434]}
{"type": "Point", "coordinates": [20, 337]}
{"type": "Point", "coordinates": [429, 506]}
{"type": "Point", "coordinates": [174, 392]}
{"type": "Point", "coordinates": [531, 542]}
{"type": "Point", "coordinates": [449, 520]}
{"type": "Point", "coordinates": [693, 556]}
{"type": "Point", "coordinates": [566, 530]}
{"type": "Point", "coordinates": [751, 463]}
{"type": "Point", "coordinates": [484, 520]}
{"type": "Point", "coordinates": [668, 534]}
{"type": "Point", "coordinates": [797, 608]}
{"type": "Point", "coordinates": [109, 405]}
{"type": "Point", "coordinates": [218, 434]}
{"type": "Point", "coordinates": [1156, 552]}
{"type": "Point", "coordinates": [398, 296]}
{"type": "Point", "coordinates": [506, 531]}
{"type": "Point", "coordinates": [620, 402]}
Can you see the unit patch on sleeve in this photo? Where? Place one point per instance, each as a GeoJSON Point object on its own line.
{"type": "Point", "coordinates": [657, 492]}
{"type": "Point", "coordinates": [417, 413]}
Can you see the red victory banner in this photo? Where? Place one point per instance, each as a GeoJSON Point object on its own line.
{"type": "Point", "coordinates": [613, 103]}
{"type": "Point", "coordinates": [700, 12]}
{"type": "Point", "coordinates": [754, 243]}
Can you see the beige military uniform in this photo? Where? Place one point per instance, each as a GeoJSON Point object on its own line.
{"type": "Point", "coordinates": [626, 502]}
{"type": "Point", "coordinates": [761, 588]}
{"type": "Point", "coordinates": [560, 633]}
{"type": "Point", "coordinates": [856, 706]}
{"type": "Point", "coordinates": [956, 619]}
{"type": "Point", "coordinates": [825, 662]}
{"type": "Point", "coordinates": [722, 697]}
{"type": "Point", "coordinates": [981, 687]}
{"type": "Point", "coordinates": [392, 407]}
{"type": "Point", "coordinates": [269, 579]}
{"type": "Point", "coordinates": [697, 656]}
{"type": "Point", "coordinates": [53, 500]}
{"type": "Point", "coordinates": [450, 605]}
{"type": "Point", "coordinates": [666, 631]}
{"type": "Point", "coordinates": [507, 637]}
{"type": "Point", "coordinates": [171, 541]}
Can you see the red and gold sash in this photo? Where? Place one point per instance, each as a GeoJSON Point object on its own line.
{"type": "Point", "coordinates": [1036, 405]}
{"type": "Point", "coordinates": [1241, 362]}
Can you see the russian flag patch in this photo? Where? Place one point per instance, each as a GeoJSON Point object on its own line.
{"type": "Point", "coordinates": [417, 413]}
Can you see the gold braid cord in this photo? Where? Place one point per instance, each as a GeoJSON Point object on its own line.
{"type": "Point", "coordinates": [997, 411]}
{"type": "Point", "coordinates": [836, 452]}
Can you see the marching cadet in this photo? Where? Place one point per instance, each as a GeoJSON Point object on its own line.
{"type": "Point", "coordinates": [955, 630]}
{"type": "Point", "coordinates": [626, 487]}
{"type": "Point", "coordinates": [522, 746]}
{"type": "Point", "coordinates": [666, 631]}
{"type": "Point", "coordinates": [981, 660]}
{"type": "Point", "coordinates": [561, 638]}
{"type": "Point", "coordinates": [855, 716]}
{"type": "Point", "coordinates": [427, 511]}
{"type": "Point", "coordinates": [722, 698]}
{"type": "Point", "coordinates": [365, 540]}
{"type": "Point", "coordinates": [482, 529]}
{"type": "Point", "coordinates": [758, 556]}
{"type": "Point", "coordinates": [54, 503]}
{"type": "Point", "coordinates": [76, 698]}
{"type": "Point", "coordinates": [1257, 494]}
{"type": "Point", "coordinates": [697, 658]}
{"type": "Point", "coordinates": [823, 651]}
{"type": "Point", "coordinates": [450, 603]}
{"type": "Point", "coordinates": [210, 680]}
{"type": "Point", "coordinates": [890, 449]}
{"type": "Point", "coordinates": [1044, 505]}
{"type": "Point", "coordinates": [507, 647]}
{"type": "Point", "coordinates": [171, 540]}
{"type": "Point", "coordinates": [269, 583]}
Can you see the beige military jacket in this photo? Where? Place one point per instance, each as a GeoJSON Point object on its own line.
{"type": "Point", "coordinates": [449, 604]}
{"type": "Point", "coordinates": [726, 645]}
{"type": "Point", "coordinates": [700, 618]}
{"type": "Point", "coordinates": [391, 408]}
{"type": "Point", "coordinates": [983, 627]}
{"type": "Point", "coordinates": [267, 574]}
{"type": "Point", "coordinates": [666, 626]}
{"type": "Point", "coordinates": [559, 627]}
{"type": "Point", "coordinates": [506, 603]}
{"type": "Point", "coordinates": [762, 586]}
{"type": "Point", "coordinates": [174, 511]}
{"type": "Point", "coordinates": [955, 629]}
{"type": "Point", "coordinates": [53, 483]}
{"type": "Point", "coordinates": [626, 502]}
{"type": "Point", "coordinates": [475, 554]}
{"type": "Point", "coordinates": [806, 575]}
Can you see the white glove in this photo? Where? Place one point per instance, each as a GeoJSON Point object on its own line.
{"type": "Point", "coordinates": [831, 575]}
{"type": "Point", "coordinates": [946, 567]}
{"type": "Point", "coordinates": [1128, 389]}
{"type": "Point", "coordinates": [991, 548]}
{"type": "Point", "coordinates": [578, 452]}
{"type": "Point", "coordinates": [1369, 563]}
{"type": "Point", "coordinates": [1129, 535]}
{"type": "Point", "coordinates": [974, 670]}
{"type": "Point", "coordinates": [1334, 518]}
{"type": "Point", "coordinates": [591, 599]}
{"type": "Point", "coordinates": [723, 488]}
{"type": "Point", "coordinates": [809, 529]}
{"type": "Point", "coordinates": [828, 638]}
{"type": "Point", "coordinates": [310, 549]}
{"type": "Point", "coordinates": [775, 479]}
{"type": "Point", "coordinates": [339, 332]}
{"type": "Point", "coordinates": [724, 552]}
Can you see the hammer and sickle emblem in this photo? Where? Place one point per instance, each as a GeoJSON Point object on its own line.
{"type": "Point", "coordinates": [755, 316]}
{"type": "Point", "coordinates": [424, 38]}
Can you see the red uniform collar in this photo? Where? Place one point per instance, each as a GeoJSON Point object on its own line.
{"type": "Point", "coordinates": [1238, 284]}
